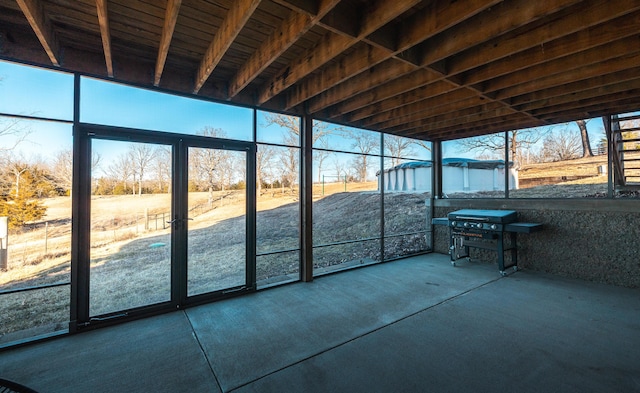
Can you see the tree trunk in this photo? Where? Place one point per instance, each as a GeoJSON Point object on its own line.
{"type": "Point", "coordinates": [586, 145]}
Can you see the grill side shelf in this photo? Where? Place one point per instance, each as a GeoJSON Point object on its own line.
{"type": "Point", "coordinates": [523, 227]}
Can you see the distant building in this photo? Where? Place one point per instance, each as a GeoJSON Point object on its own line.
{"type": "Point", "coordinates": [458, 175]}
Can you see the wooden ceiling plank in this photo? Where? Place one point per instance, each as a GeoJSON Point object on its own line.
{"type": "Point", "coordinates": [625, 103]}
{"type": "Point", "coordinates": [399, 86]}
{"type": "Point", "coordinates": [379, 13]}
{"type": "Point", "coordinates": [412, 100]}
{"type": "Point", "coordinates": [375, 76]}
{"type": "Point", "coordinates": [236, 18]}
{"type": "Point", "coordinates": [591, 13]}
{"type": "Point", "coordinates": [540, 98]}
{"type": "Point", "coordinates": [587, 98]}
{"type": "Point", "coordinates": [289, 31]}
{"type": "Point", "coordinates": [103, 21]}
{"type": "Point", "coordinates": [456, 99]}
{"type": "Point", "coordinates": [361, 60]}
{"type": "Point", "coordinates": [456, 118]}
{"type": "Point", "coordinates": [491, 119]}
{"type": "Point", "coordinates": [498, 20]}
{"type": "Point", "coordinates": [170, 19]}
{"type": "Point", "coordinates": [42, 27]}
{"type": "Point", "coordinates": [439, 16]}
{"type": "Point", "coordinates": [492, 126]}
{"type": "Point", "coordinates": [595, 62]}
{"type": "Point", "coordinates": [616, 29]}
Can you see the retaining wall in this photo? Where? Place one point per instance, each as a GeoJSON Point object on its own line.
{"type": "Point", "coordinates": [596, 240]}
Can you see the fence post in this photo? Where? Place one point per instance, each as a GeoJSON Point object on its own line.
{"type": "Point", "coordinates": [46, 236]}
{"type": "Point", "coordinates": [146, 219]}
{"type": "Point", "coordinates": [4, 242]}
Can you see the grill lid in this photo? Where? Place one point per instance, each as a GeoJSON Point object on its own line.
{"type": "Point", "coordinates": [491, 216]}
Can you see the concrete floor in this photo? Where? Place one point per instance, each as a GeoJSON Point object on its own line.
{"type": "Point", "coordinates": [414, 325]}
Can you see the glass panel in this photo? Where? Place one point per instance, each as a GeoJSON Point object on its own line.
{"type": "Point", "coordinates": [216, 241]}
{"type": "Point", "coordinates": [130, 239]}
{"type": "Point", "coordinates": [125, 106]}
{"type": "Point", "coordinates": [35, 224]}
{"type": "Point", "coordinates": [474, 167]}
{"type": "Point", "coordinates": [553, 162]}
{"type": "Point", "coordinates": [278, 268]}
{"type": "Point", "coordinates": [346, 210]}
{"type": "Point", "coordinates": [342, 256]}
{"type": "Point", "coordinates": [400, 147]}
{"type": "Point", "coordinates": [31, 91]}
{"type": "Point", "coordinates": [347, 139]}
{"type": "Point", "coordinates": [278, 195]}
{"type": "Point", "coordinates": [33, 313]}
{"type": "Point", "coordinates": [278, 129]}
{"type": "Point", "coordinates": [400, 246]}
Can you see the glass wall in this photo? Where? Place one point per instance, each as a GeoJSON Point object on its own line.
{"type": "Point", "coordinates": [567, 160]}
{"type": "Point", "coordinates": [475, 167]}
{"type": "Point", "coordinates": [35, 205]}
{"type": "Point", "coordinates": [118, 105]}
{"type": "Point", "coordinates": [278, 198]}
{"type": "Point", "coordinates": [407, 183]}
{"type": "Point", "coordinates": [346, 197]}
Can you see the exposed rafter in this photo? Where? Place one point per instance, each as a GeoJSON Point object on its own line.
{"type": "Point", "coordinates": [291, 29]}
{"type": "Point", "coordinates": [41, 25]}
{"type": "Point", "coordinates": [237, 17]}
{"type": "Point", "coordinates": [103, 21]}
{"type": "Point", "coordinates": [170, 19]}
{"type": "Point", "coordinates": [379, 13]}
{"type": "Point", "coordinates": [430, 69]}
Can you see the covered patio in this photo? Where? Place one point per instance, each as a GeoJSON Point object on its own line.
{"type": "Point", "coordinates": [414, 325]}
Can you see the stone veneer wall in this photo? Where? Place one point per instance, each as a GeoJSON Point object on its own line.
{"type": "Point", "coordinates": [596, 240]}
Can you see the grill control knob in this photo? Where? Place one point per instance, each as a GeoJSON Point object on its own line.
{"type": "Point", "coordinates": [494, 226]}
{"type": "Point", "coordinates": [466, 225]}
{"type": "Point", "coordinates": [479, 225]}
{"type": "Point", "coordinates": [453, 223]}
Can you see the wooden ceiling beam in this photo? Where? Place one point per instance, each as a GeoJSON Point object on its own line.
{"type": "Point", "coordinates": [479, 111]}
{"type": "Point", "coordinates": [377, 15]}
{"type": "Point", "coordinates": [414, 99]}
{"type": "Point", "coordinates": [289, 31]}
{"type": "Point", "coordinates": [574, 26]}
{"type": "Point", "coordinates": [364, 100]}
{"type": "Point", "coordinates": [485, 128]}
{"type": "Point", "coordinates": [170, 19]}
{"type": "Point", "coordinates": [237, 17]}
{"type": "Point", "coordinates": [103, 21]}
{"type": "Point", "coordinates": [630, 102]}
{"type": "Point", "coordinates": [42, 27]}
{"type": "Point", "coordinates": [498, 20]}
{"type": "Point", "coordinates": [439, 16]}
{"type": "Point", "coordinates": [445, 98]}
{"type": "Point", "coordinates": [569, 69]}
{"type": "Point", "coordinates": [364, 81]}
{"type": "Point", "coordinates": [603, 34]}
{"type": "Point", "coordinates": [547, 97]}
{"type": "Point", "coordinates": [597, 97]}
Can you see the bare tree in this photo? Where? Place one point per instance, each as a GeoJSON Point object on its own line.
{"type": "Point", "coordinates": [397, 147]}
{"type": "Point", "coordinates": [141, 156]}
{"type": "Point", "coordinates": [560, 145]}
{"type": "Point", "coordinates": [584, 136]}
{"type": "Point", "coordinates": [264, 158]}
{"type": "Point", "coordinates": [365, 143]}
{"type": "Point", "coordinates": [162, 168]}
{"type": "Point", "coordinates": [494, 143]}
{"type": "Point", "coordinates": [122, 170]}
{"type": "Point", "coordinates": [319, 156]}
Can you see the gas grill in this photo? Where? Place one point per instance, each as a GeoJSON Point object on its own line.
{"type": "Point", "coordinates": [485, 229]}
